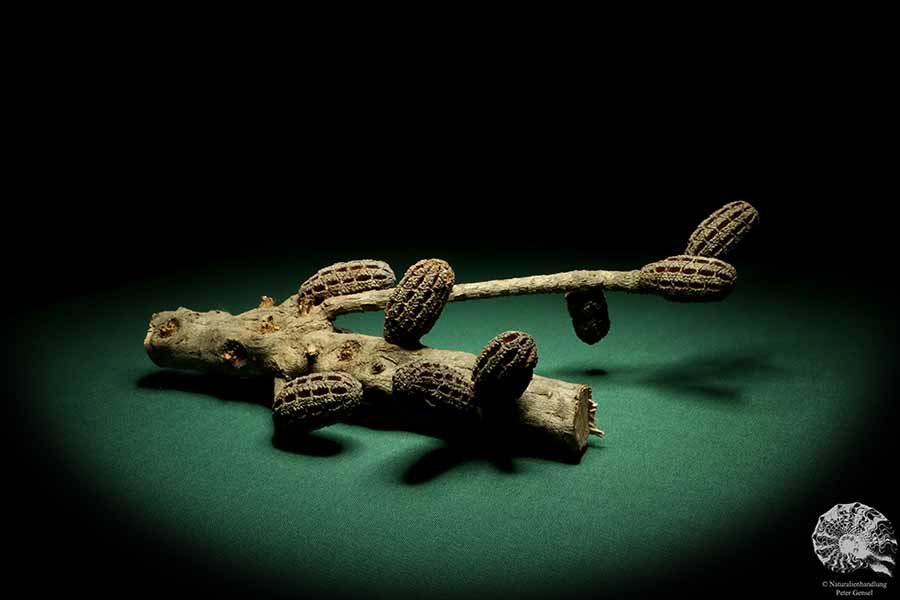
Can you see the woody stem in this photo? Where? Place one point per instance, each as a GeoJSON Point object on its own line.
{"type": "Point", "coordinates": [557, 283]}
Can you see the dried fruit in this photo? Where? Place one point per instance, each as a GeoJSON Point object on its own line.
{"type": "Point", "coordinates": [721, 231]}
{"type": "Point", "coordinates": [504, 368]}
{"type": "Point", "coordinates": [590, 314]}
{"type": "Point", "coordinates": [417, 301]}
{"type": "Point", "coordinates": [315, 401]}
{"type": "Point", "coordinates": [345, 278]}
{"type": "Point", "coordinates": [443, 388]}
{"type": "Point", "coordinates": [685, 278]}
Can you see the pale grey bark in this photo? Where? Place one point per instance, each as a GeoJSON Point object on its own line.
{"type": "Point", "coordinates": [280, 342]}
{"type": "Point", "coordinates": [558, 283]}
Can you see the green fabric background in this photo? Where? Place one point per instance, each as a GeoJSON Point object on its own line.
{"type": "Point", "coordinates": [715, 416]}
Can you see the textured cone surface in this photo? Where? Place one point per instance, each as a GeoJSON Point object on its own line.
{"type": "Point", "coordinates": [723, 230]}
{"type": "Point", "coordinates": [345, 278]}
{"type": "Point", "coordinates": [440, 387]}
{"type": "Point", "coordinates": [689, 278]}
{"type": "Point", "coordinates": [590, 315]}
{"type": "Point", "coordinates": [417, 301]}
{"type": "Point", "coordinates": [505, 366]}
{"type": "Point", "coordinates": [315, 401]}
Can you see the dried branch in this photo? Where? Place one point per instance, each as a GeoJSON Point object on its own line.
{"type": "Point", "coordinates": [277, 341]}
{"type": "Point", "coordinates": [297, 337]}
{"type": "Point", "coordinates": [558, 283]}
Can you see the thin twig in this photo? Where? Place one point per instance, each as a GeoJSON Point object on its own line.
{"type": "Point", "coordinates": [557, 283]}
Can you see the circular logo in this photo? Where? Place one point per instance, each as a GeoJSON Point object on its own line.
{"type": "Point", "coordinates": [853, 536]}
